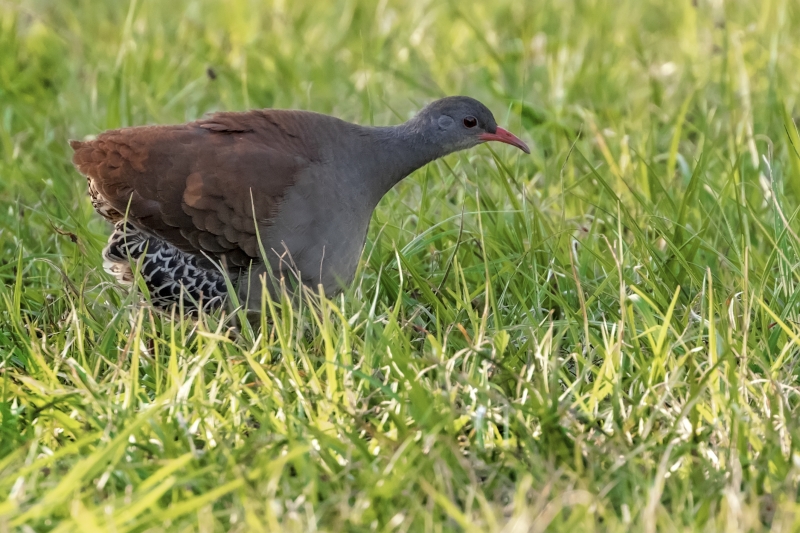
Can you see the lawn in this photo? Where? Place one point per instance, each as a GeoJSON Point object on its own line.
{"type": "Point", "coordinates": [603, 335]}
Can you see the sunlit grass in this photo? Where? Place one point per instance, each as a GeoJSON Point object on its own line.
{"type": "Point", "coordinates": [601, 336]}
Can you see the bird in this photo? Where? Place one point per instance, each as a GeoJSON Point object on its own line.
{"type": "Point", "coordinates": [266, 191]}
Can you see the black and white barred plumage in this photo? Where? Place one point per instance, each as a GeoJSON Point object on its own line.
{"type": "Point", "coordinates": [169, 274]}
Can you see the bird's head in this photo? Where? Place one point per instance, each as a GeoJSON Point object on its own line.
{"type": "Point", "coordinates": [460, 122]}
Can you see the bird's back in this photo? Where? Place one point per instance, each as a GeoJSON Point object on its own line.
{"type": "Point", "coordinates": [195, 185]}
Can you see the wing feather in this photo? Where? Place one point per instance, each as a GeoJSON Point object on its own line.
{"type": "Point", "coordinates": [196, 185]}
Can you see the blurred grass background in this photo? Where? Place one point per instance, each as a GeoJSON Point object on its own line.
{"type": "Point", "coordinates": [602, 336]}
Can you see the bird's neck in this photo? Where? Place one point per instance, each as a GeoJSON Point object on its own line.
{"type": "Point", "coordinates": [397, 152]}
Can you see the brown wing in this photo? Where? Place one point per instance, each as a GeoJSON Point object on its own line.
{"type": "Point", "coordinates": [195, 185]}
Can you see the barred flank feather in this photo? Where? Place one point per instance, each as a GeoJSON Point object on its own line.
{"type": "Point", "coordinates": [170, 275]}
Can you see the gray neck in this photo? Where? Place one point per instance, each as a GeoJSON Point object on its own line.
{"type": "Point", "coordinates": [396, 152]}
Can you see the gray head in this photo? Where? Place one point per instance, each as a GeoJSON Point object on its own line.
{"type": "Point", "coordinates": [460, 122]}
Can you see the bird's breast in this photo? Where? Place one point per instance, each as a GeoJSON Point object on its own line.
{"type": "Point", "coordinates": [320, 229]}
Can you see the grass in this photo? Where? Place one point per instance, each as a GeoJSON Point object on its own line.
{"type": "Point", "coordinates": [602, 336]}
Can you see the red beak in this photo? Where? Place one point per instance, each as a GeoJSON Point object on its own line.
{"type": "Point", "coordinates": [505, 136]}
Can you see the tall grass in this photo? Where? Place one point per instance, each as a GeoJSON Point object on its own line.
{"type": "Point", "coordinates": [602, 336]}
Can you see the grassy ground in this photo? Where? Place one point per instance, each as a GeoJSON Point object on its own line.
{"type": "Point", "coordinates": [602, 336]}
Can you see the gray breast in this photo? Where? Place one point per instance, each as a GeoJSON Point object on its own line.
{"type": "Point", "coordinates": [319, 231]}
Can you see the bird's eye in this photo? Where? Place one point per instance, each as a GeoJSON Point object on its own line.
{"type": "Point", "coordinates": [470, 122]}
